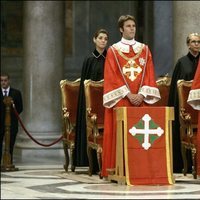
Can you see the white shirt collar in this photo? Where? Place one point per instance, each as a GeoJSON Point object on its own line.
{"type": "Point", "coordinates": [124, 45]}
{"type": "Point", "coordinates": [7, 89]}
{"type": "Point", "coordinates": [128, 42]}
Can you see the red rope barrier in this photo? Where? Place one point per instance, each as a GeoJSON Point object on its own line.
{"type": "Point", "coordinates": [20, 121]}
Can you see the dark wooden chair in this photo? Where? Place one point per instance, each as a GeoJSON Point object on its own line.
{"type": "Point", "coordinates": [69, 94]}
{"type": "Point", "coordinates": [163, 84]}
{"type": "Point", "coordinates": [94, 120]}
{"type": "Point", "coordinates": [188, 125]}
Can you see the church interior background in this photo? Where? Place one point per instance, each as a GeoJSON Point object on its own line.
{"type": "Point", "coordinates": [43, 42]}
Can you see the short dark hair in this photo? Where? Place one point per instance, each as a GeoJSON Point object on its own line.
{"type": "Point", "coordinates": [101, 30]}
{"type": "Point", "coordinates": [5, 74]}
{"type": "Point", "coordinates": [124, 18]}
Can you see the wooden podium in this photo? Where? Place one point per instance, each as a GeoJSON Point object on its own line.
{"type": "Point", "coordinates": [143, 146]}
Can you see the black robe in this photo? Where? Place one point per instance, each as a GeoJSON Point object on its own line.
{"type": "Point", "coordinates": [93, 68]}
{"type": "Point", "coordinates": [185, 69]}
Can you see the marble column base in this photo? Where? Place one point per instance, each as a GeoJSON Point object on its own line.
{"type": "Point", "coordinates": [38, 156]}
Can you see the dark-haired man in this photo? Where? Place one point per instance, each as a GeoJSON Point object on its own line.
{"type": "Point", "coordinates": [7, 90]}
{"type": "Point", "coordinates": [129, 80]}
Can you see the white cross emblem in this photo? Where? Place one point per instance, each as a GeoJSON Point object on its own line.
{"type": "Point", "coordinates": [131, 70]}
{"type": "Point", "coordinates": [146, 131]}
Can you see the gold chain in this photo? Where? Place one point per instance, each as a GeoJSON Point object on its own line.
{"type": "Point", "coordinates": [127, 58]}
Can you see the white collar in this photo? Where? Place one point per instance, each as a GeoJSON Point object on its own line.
{"type": "Point", "coordinates": [124, 44]}
{"type": "Point", "coordinates": [128, 42]}
{"type": "Point", "coordinates": [7, 89]}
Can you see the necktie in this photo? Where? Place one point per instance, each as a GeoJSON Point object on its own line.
{"type": "Point", "coordinates": [5, 93]}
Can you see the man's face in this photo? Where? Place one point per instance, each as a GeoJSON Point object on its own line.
{"type": "Point", "coordinates": [194, 43]}
{"type": "Point", "coordinates": [5, 82]}
{"type": "Point", "coordinates": [129, 29]}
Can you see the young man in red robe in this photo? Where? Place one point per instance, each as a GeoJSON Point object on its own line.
{"type": "Point", "coordinates": [129, 80]}
{"type": "Point", "coordinates": [194, 101]}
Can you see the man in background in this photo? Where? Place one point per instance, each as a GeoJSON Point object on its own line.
{"type": "Point", "coordinates": [185, 68]}
{"type": "Point", "coordinates": [7, 90]}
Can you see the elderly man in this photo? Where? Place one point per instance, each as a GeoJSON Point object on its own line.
{"type": "Point", "coordinates": [185, 69]}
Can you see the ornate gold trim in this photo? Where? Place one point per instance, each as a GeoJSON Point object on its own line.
{"type": "Point", "coordinates": [127, 58]}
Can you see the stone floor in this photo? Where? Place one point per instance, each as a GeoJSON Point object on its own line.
{"type": "Point", "coordinates": [45, 178]}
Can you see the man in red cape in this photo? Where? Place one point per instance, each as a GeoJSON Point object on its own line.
{"type": "Point", "coordinates": [194, 101]}
{"type": "Point", "coordinates": [129, 80]}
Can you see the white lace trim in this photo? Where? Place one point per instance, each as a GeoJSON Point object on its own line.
{"type": "Point", "coordinates": [113, 97]}
{"type": "Point", "coordinates": [151, 94]}
{"type": "Point", "coordinates": [194, 99]}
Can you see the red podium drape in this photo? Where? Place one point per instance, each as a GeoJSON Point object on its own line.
{"type": "Point", "coordinates": [144, 145]}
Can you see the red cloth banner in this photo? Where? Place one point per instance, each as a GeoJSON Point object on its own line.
{"type": "Point", "coordinates": [147, 146]}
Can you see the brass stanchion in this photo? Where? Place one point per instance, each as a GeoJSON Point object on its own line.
{"type": "Point", "coordinates": [7, 164]}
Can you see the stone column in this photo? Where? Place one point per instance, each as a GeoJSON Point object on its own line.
{"type": "Point", "coordinates": [43, 69]}
{"type": "Point", "coordinates": [163, 47]}
{"type": "Point", "coordinates": [186, 20]}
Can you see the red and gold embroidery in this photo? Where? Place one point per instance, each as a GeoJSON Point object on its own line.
{"type": "Point", "coordinates": [131, 69]}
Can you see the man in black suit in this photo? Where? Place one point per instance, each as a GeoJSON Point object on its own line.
{"type": "Point", "coordinates": [7, 90]}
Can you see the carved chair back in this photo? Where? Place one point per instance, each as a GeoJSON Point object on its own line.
{"type": "Point", "coordinates": [69, 94]}
{"type": "Point", "coordinates": [163, 84]}
{"type": "Point", "coordinates": [94, 119]}
{"type": "Point", "coordinates": [188, 118]}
